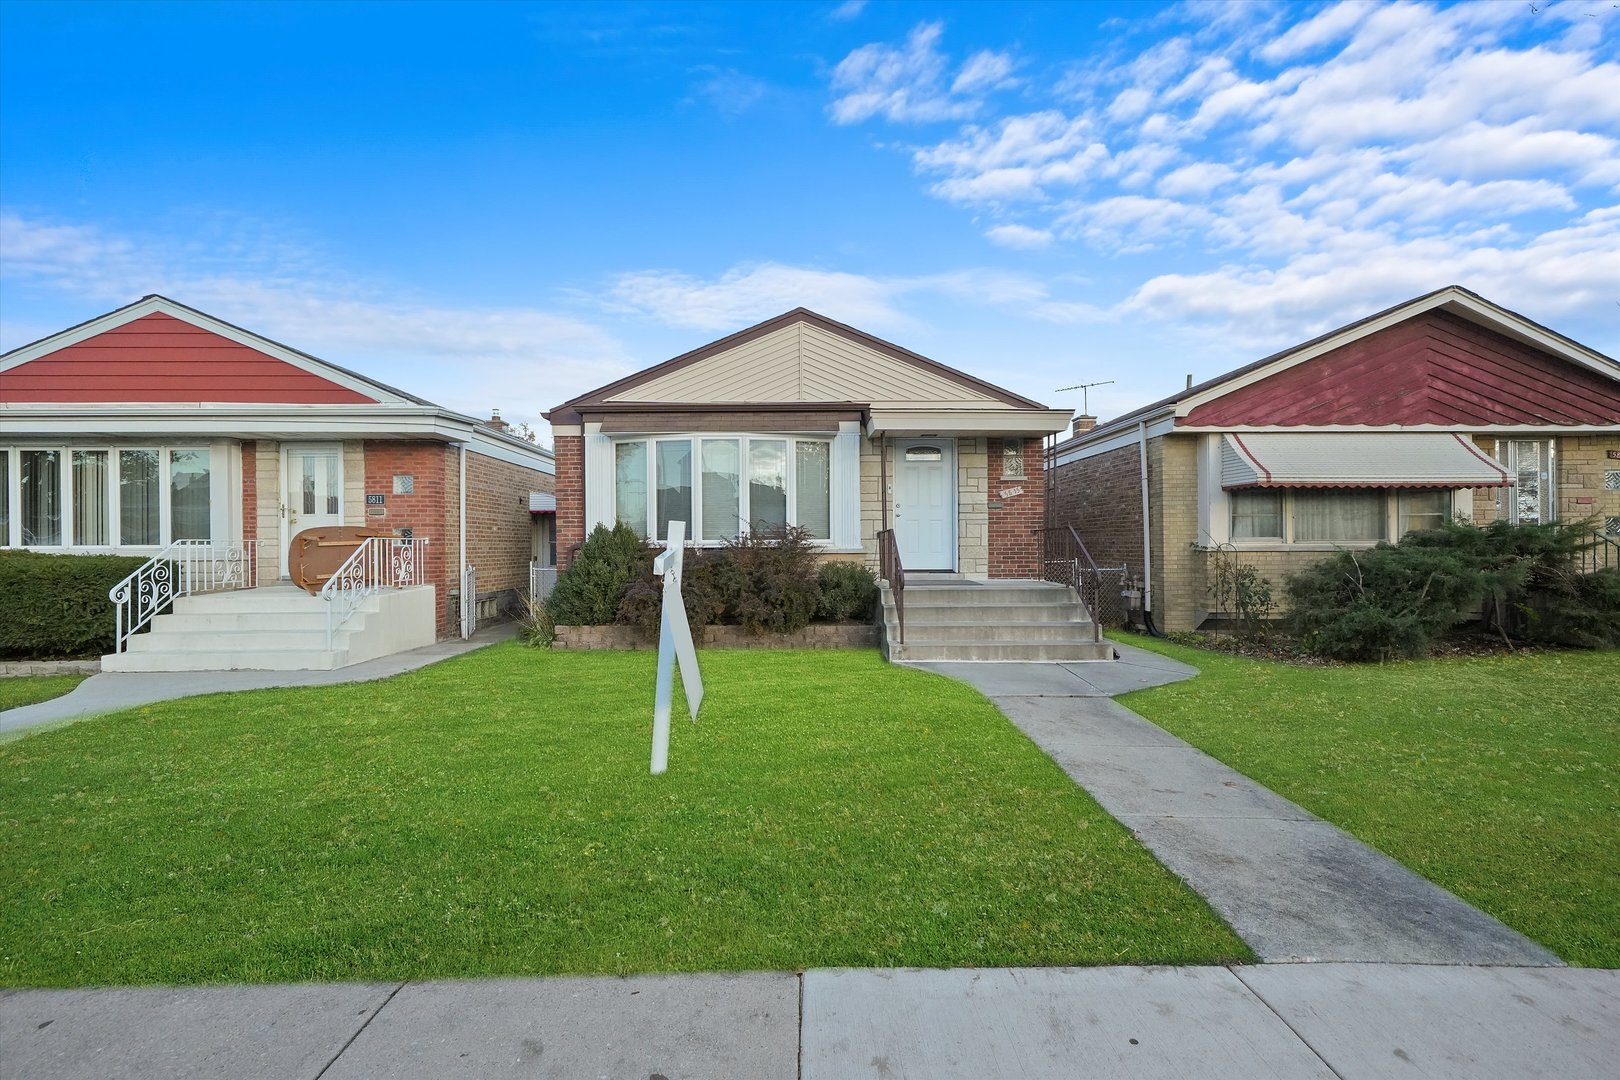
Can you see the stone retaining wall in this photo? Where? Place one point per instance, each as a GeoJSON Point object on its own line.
{"type": "Point", "coordinates": [815, 636]}
{"type": "Point", "coordinates": [15, 668]}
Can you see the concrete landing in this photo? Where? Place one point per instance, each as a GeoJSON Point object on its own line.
{"type": "Point", "coordinates": [1294, 887]}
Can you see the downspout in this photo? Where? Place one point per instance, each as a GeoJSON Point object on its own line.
{"type": "Point", "coordinates": [1147, 536]}
{"type": "Point", "coordinates": [461, 579]}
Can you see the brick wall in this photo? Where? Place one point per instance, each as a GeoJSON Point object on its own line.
{"type": "Point", "coordinates": [1016, 520]}
{"type": "Point", "coordinates": [500, 529]}
{"type": "Point", "coordinates": [250, 491]}
{"type": "Point", "coordinates": [1101, 499]}
{"type": "Point", "coordinates": [1582, 461]}
{"type": "Point", "coordinates": [1180, 600]}
{"type": "Point", "coordinates": [570, 488]}
{"type": "Point", "coordinates": [431, 511]}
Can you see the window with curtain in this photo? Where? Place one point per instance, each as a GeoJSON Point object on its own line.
{"type": "Point", "coordinates": [813, 482]}
{"type": "Point", "coordinates": [1257, 514]}
{"type": "Point", "coordinates": [138, 497]}
{"type": "Point", "coordinates": [721, 484]}
{"type": "Point", "coordinates": [724, 486]}
{"type": "Point", "coordinates": [630, 485]}
{"type": "Point", "coordinates": [1420, 509]}
{"type": "Point", "coordinates": [1351, 514]}
{"type": "Point", "coordinates": [189, 509]}
{"type": "Point", "coordinates": [41, 497]}
{"type": "Point", "coordinates": [767, 484]}
{"type": "Point", "coordinates": [90, 498]}
{"type": "Point", "coordinates": [674, 484]}
{"type": "Point", "coordinates": [5, 498]}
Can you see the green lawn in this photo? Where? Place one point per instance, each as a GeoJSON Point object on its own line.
{"type": "Point", "coordinates": [29, 689]}
{"type": "Point", "coordinates": [1497, 778]}
{"type": "Point", "coordinates": [493, 814]}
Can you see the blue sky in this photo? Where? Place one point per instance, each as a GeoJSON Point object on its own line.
{"type": "Point", "coordinates": [504, 205]}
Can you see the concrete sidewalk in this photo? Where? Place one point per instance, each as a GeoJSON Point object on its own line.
{"type": "Point", "coordinates": [110, 691]}
{"type": "Point", "coordinates": [1292, 885]}
{"type": "Point", "coordinates": [1352, 1021]}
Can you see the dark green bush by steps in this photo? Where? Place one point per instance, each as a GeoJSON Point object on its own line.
{"type": "Point", "coordinates": [589, 591]}
{"type": "Point", "coordinates": [849, 592]}
{"type": "Point", "coordinates": [55, 607]}
{"type": "Point", "coordinates": [1397, 600]}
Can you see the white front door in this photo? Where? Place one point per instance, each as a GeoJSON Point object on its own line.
{"type": "Point", "coordinates": [311, 490]}
{"type": "Point", "coordinates": [925, 503]}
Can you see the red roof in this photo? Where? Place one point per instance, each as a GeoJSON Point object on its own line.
{"type": "Point", "coordinates": [1434, 368]}
{"type": "Point", "coordinates": [158, 357]}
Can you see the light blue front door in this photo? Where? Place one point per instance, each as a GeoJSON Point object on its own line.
{"type": "Point", "coordinates": [925, 503]}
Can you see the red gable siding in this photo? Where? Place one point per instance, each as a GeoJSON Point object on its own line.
{"type": "Point", "coordinates": [160, 358]}
{"type": "Point", "coordinates": [1432, 369]}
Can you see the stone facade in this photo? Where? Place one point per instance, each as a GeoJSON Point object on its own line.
{"type": "Point", "coordinates": [1582, 462]}
{"type": "Point", "coordinates": [1180, 600]}
{"type": "Point", "coordinates": [972, 507]}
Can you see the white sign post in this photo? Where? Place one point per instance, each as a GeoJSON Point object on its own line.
{"type": "Point", "coordinates": [674, 642]}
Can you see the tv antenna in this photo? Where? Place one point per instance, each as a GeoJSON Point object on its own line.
{"type": "Point", "coordinates": [1085, 395]}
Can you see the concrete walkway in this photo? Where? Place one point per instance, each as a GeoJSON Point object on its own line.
{"type": "Point", "coordinates": [1299, 1022]}
{"type": "Point", "coordinates": [110, 691]}
{"type": "Point", "coordinates": [1293, 886]}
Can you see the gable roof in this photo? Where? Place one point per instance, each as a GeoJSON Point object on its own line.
{"type": "Point", "coordinates": [1453, 300]}
{"type": "Point", "coordinates": [160, 316]}
{"type": "Point", "coordinates": [798, 356]}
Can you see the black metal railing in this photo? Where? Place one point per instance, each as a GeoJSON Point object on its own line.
{"type": "Point", "coordinates": [891, 570]}
{"type": "Point", "coordinates": [1602, 554]}
{"type": "Point", "coordinates": [1066, 561]}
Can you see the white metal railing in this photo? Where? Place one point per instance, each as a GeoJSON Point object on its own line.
{"type": "Point", "coordinates": [380, 562]}
{"type": "Point", "coordinates": [542, 579]}
{"type": "Point", "coordinates": [185, 566]}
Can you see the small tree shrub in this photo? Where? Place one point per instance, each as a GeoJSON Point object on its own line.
{"type": "Point", "coordinates": [1241, 590]}
{"type": "Point", "coordinates": [643, 603]}
{"type": "Point", "coordinates": [848, 592]}
{"type": "Point", "coordinates": [55, 607]}
{"type": "Point", "coordinates": [589, 591]}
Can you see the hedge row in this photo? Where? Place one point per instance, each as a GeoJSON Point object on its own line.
{"type": "Point", "coordinates": [55, 607]}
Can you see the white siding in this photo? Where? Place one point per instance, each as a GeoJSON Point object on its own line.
{"type": "Point", "coordinates": [805, 363]}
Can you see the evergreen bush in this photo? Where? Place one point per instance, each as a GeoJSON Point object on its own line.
{"type": "Point", "coordinates": [55, 607]}
{"type": "Point", "coordinates": [589, 591]}
{"type": "Point", "coordinates": [848, 592]}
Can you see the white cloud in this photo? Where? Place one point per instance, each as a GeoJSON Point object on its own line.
{"type": "Point", "coordinates": [848, 10]}
{"type": "Point", "coordinates": [1018, 158]}
{"type": "Point", "coordinates": [730, 92]}
{"type": "Point", "coordinates": [521, 360]}
{"type": "Point", "coordinates": [908, 84]}
{"type": "Point", "coordinates": [1332, 24]}
{"type": "Point", "coordinates": [1021, 237]}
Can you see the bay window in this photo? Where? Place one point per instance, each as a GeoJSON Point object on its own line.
{"type": "Point", "coordinates": [104, 497]}
{"type": "Point", "coordinates": [723, 486]}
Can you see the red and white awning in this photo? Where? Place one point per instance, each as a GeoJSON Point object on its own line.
{"type": "Point", "coordinates": [1355, 459]}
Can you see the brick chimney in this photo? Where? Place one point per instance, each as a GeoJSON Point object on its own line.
{"type": "Point", "coordinates": [495, 423]}
{"type": "Point", "coordinates": [1083, 424]}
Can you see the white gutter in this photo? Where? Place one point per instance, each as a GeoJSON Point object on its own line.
{"type": "Point", "coordinates": [1147, 535]}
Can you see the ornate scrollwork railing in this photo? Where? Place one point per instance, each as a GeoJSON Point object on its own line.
{"type": "Point", "coordinates": [380, 562]}
{"type": "Point", "coordinates": [185, 566]}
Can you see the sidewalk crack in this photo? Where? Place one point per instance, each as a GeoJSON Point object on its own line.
{"type": "Point", "coordinates": [350, 1041]}
{"type": "Point", "coordinates": [1238, 974]}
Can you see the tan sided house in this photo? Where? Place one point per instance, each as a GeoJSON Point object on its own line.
{"type": "Point", "coordinates": [1446, 406]}
{"type": "Point", "coordinates": [160, 431]}
{"type": "Point", "coordinates": [805, 421]}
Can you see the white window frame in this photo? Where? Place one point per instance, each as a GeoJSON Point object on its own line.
{"type": "Point", "coordinates": [1507, 500]}
{"type": "Point", "coordinates": [219, 494]}
{"type": "Point", "coordinates": [694, 527]}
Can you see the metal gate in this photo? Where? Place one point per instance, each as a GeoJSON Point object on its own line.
{"type": "Point", "coordinates": [469, 602]}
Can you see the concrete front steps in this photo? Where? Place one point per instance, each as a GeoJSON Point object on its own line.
{"type": "Point", "coordinates": [277, 628]}
{"type": "Point", "coordinates": [957, 619]}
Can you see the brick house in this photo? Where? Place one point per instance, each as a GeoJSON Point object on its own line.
{"type": "Point", "coordinates": [157, 423]}
{"type": "Point", "coordinates": [806, 421]}
{"type": "Point", "coordinates": [1446, 406]}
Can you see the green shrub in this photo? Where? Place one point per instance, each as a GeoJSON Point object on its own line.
{"type": "Point", "coordinates": [767, 580]}
{"type": "Point", "coordinates": [848, 592]}
{"type": "Point", "coordinates": [1397, 600]}
{"type": "Point", "coordinates": [589, 591]}
{"type": "Point", "coordinates": [55, 607]}
{"type": "Point", "coordinates": [643, 603]}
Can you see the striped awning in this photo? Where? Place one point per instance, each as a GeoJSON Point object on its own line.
{"type": "Point", "coordinates": [542, 502]}
{"type": "Point", "coordinates": [1356, 459]}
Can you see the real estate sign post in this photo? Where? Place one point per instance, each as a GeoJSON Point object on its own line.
{"type": "Point", "coordinates": [674, 643]}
